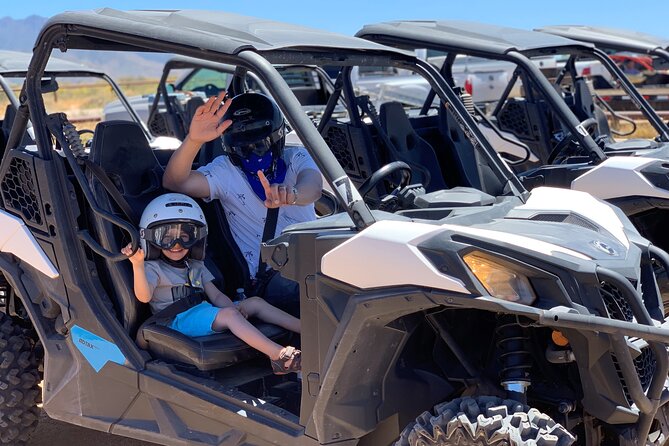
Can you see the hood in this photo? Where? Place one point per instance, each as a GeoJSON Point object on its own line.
{"type": "Point", "coordinates": [553, 226]}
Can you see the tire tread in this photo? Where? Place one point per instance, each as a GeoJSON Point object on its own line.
{"type": "Point", "coordinates": [19, 379]}
{"type": "Point", "coordinates": [484, 421]}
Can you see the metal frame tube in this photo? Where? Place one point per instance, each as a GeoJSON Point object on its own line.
{"type": "Point", "coordinates": [563, 111]}
{"type": "Point", "coordinates": [325, 159]}
{"type": "Point", "coordinates": [634, 94]}
{"type": "Point", "coordinates": [468, 124]}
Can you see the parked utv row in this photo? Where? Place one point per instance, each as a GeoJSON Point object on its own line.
{"type": "Point", "coordinates": [445, 304]}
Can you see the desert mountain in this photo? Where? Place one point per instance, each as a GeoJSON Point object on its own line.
{"type": "Point", "coordinates": [20, 35]}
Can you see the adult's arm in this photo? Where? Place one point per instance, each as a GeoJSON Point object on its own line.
{"type": "Point", "coordinates": [179, 176]}
{"type": "Point", "coordinates": [204, 127]}
{"type": "Point", "coordinates": [309, 187]}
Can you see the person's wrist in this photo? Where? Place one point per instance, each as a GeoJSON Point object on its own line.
{"type": "Point", "coordinates": [193, 141]}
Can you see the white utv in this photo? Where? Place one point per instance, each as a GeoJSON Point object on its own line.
{"type": "Point", "coordinates": [475, 314]}
{"type": "Point", "coordinates": [566, 135]}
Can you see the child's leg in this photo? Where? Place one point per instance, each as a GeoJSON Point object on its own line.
{"type": "Point", "coordinates": [257, 307]}
{"type": "Point", "coordinates": [231, 319]}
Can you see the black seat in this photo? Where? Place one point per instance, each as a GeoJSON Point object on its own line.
{"type": "Point", "coordinates": [7, 122]}
{"type": "Point", "coordinates": [584, 107]}
{"type": "Point", "coordinates": [473, 169]}
{"type": "Point", "coordinates": [410, 147]}
{"type": "Point", "coordinates": [123, 152]}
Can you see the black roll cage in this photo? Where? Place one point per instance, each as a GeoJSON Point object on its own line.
{"type": "Point", "coordinates": [523, 59]}
{"type": "Point", "coordinates": [57, 36]}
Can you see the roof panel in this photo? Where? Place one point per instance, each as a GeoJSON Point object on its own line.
{"type": "Point", "coordinates": [615, 38]}
{"type": "Point", "coordinates": [17, 62]}
{"type": "Point", "coordinates": [474, 36]}
{"type": "Point", "coordinates": [218, 31]}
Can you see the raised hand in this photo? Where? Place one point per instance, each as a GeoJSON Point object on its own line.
{"type": "Point", "coordinates": [137, 258]}
{"type": "Point", "coordinates": [276, 195]}
{"type": "Point", "coordinates": [205, 125]}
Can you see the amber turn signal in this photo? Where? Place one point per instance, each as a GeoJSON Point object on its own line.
{"type": "Point", "coordinates": [559, 339]}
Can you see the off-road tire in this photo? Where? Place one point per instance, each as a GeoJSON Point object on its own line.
{"type": "Point", "coordinates": [484, 421]}
{"type": "Point", "coordinates": [19, 384]}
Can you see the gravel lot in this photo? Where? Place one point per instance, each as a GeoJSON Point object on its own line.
{"type": "Point", "coordinates": [55, 433]}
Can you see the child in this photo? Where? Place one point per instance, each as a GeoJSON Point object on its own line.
{"type": "Point", "coordinates": [168, 266]}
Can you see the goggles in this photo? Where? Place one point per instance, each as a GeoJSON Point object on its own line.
{"type": "Point", "coordinates": [167, 235]}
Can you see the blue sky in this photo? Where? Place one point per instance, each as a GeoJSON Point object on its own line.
{"type": "Point", "coordinates": [651, 16]}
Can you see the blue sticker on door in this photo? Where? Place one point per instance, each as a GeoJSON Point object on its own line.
{"type": "Point", "coordinates": [96, 350]}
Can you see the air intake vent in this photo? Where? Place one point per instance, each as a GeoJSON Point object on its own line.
{"type": "Point", "coordinates": [571, 219]}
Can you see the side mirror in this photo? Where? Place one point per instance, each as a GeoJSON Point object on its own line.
{"type": "Point", "coordinates": [49, 85]}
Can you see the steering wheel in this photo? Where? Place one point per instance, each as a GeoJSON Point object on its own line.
{"type": "Point", "coordinates": [385, 171]}
{"type": "Point", "coordinates": [589, 125]}
{"type": "Point", "coordinates": [209, 90]}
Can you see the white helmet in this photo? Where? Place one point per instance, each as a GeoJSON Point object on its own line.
{"type": "Point", "coordinates": [172, 218]}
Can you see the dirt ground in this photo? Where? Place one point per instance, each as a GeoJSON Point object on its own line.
{"type": "Point", "coordinates": [55, 433]}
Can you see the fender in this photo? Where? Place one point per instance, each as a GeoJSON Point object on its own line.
{"type": "Point", "coordinates": [17, 239]}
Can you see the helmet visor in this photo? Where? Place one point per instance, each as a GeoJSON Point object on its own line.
{"type": "Point", "coordinates": [247, 138]}
{"type": "Point", "coordinates": [258, 148]}
{"type": "Point", "coordinates": [167, 235]}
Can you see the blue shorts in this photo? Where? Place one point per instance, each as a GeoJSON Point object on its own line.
{"type": "Point", "coordinates": [196, 321]}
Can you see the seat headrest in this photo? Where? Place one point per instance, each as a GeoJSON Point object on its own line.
{"type": "Point", "coordinates": [123, 151]}
{"type": "Point", "coordinates": [191, 106]}
{"type": "Point", "coordinates": [8, 120]}
{"type": "Point", "coordinates": [395, 120]}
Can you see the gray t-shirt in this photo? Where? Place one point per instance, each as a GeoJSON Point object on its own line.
{"type": "Point", "coordinates": [169, 284]}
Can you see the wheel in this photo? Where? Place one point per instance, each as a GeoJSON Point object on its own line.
{"type": "Point", "coordinates": [484, 421]}
{"type": "Point", "coordinates": [385, 171]}
{"type": "Point", "coordinates": [589, 126]}
{"type": "Point", "coordinates": [19, 379]}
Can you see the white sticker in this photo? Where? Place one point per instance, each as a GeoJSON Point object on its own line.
{"type": "Point", "coordinates": [347, 190]}
{"type": "Point", "coordinates": [582, 130]}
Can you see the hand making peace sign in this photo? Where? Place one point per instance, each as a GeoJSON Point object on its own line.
{"type": "Point", "coordinates": [205, 125]}
{"type": "Point", "coordinates": [276, 195]}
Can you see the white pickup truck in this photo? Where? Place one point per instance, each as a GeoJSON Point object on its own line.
{"type": "Point", "coordinates": [484, 79]}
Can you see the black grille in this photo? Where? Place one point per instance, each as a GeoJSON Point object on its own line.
{"type": "Point", "coordinates": [645, 364]}
{"type": "Point", "coordinates": [158, 125]}
{"type": "Point", "coordinates": [19, 191]}
{"type": "Point", "coordinates": [337, 140]}
{"type": "Point", "coordinates": [514, 119]}
{"type": "Point", "coordinates": [616, 305]}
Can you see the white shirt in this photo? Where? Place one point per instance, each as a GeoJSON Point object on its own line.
{"type": "Point", "coordinates": [245, 212]}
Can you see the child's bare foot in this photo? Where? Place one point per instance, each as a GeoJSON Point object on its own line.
{"type": "Point", "coordinates": [289, 360]}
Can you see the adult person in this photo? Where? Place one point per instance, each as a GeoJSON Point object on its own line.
{"type": "Point", "coordinates": [256, 173]}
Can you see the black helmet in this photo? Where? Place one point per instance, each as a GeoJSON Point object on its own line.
{"type": "Point", "coordinates": [257, 126]}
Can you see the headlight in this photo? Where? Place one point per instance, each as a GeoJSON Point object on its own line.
{"type": "Point", "coordinates": [500, 279]}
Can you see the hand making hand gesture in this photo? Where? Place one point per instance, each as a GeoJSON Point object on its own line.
{"type": "Point", "coordinates": [276, 195]}
{"type": "Point", "coordinates": [205, 125]}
